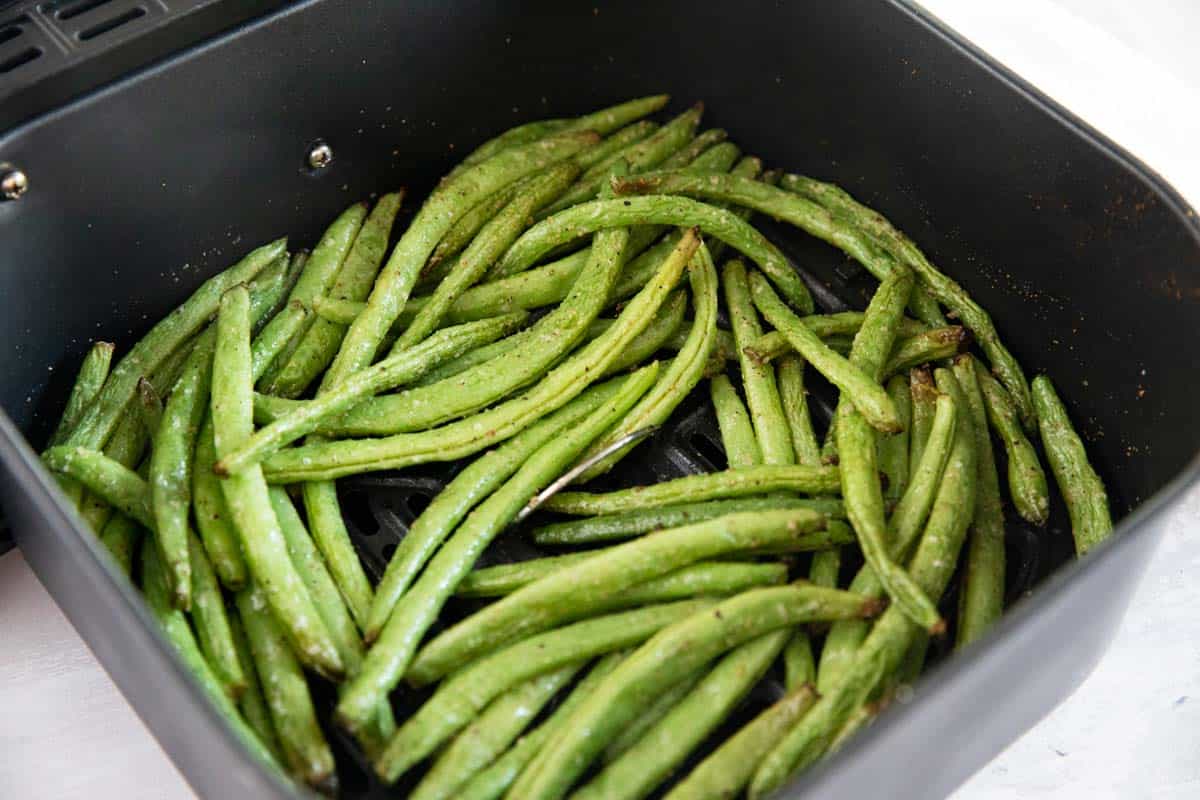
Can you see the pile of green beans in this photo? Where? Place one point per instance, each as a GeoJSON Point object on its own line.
{"type": "Point", "coordinates": [561, 289]}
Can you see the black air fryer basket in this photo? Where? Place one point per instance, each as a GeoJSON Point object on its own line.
{"type": "Point", "coordinates": [139, 189]}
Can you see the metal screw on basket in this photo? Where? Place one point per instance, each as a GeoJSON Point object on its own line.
{"type": "Point", "coordinates": [321, 156]}
{"type": "Point", "coordinates": [14, 184]}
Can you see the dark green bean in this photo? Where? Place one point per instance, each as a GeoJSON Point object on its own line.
{"type": "Point", "coordinates": [120, 536]}
{"type": "Point", "coordinates": [618, 526]}
{"type": "Point", "coordinates": [931, 345]}
{"type": "Point", "coordinates": [252, 703]}
{"type": "Point", "coordinates": [91, 377]}
{"type": "Point", "coordinates": [707, 579]}
{"type": "Point", "coordinates": [1081, 487]}
{"type": "Point", "coordinates": [981, 596]}
{"type": "Point", "coordinates": [1026, 478]}
{"type": "Point", "coordinates": [924, 398]}
{"type": "Point", "coordinates": [893, 449]}
{"type": "Point", "coordinates": [789, 374]}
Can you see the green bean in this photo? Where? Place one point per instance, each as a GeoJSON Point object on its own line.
{"type": "Point", "coordinates": [115, 484]}
{"type": "Point", "coordinates": [602, 121]}
{"type": "Point", "coordinates": [700, 144]}
{"type": "Point", "coordinates": [981, 596]}
{"type": "Point", "coordinates": [859, 719]}
{"type": "Point", "coordinates": [615, 143]}
{"type": "Point", "coordinates": [684, 372]}
{"type": "Point", "coordinates": [395, 370]}
{"type": "Point", "coordinates": [171, 460]}
{"type": "Point", "coordinates": [943, 289]}
{"type": "Point", "coordinates": [1026, 478]}
{"type": "Point", "coordinates": [333, 540]}
{"type": "Point", "coordinates": [748, 167]}
{"type": "Point", "coordinates": [678, 211]}
{"type": "Point", "coordinates": [675, 651]}
{"type": "Point", "coordinates": [460, 698]}
{"type": "Point", "coordinates": [789, 375]}
{"type": "Point", "coordinates": [858, 459]}
{"type": "Point", "coordinates": [474, 483]}
{"type": "Point", "coordinates": [871, 400]}
{"type": "Point", "coordinates": [488, 245]}
{"type": "Point", "coordinates": [665, 746]}
{"type": "Point", "coordinates": [826, 326]}
{"type": "Point", "coordinates": [119, 536]}
{"type": "Point", "coordinates": [932, 345]}
{"type": "Point", "coordinates": [212, 623]}
{"type": "Point", "coordinates": [708, 579]}
{"type": "Point", "coordinates": [826, 568]}
{"type": "Point", "coordinates": [737, 434]}
{"type": "Point", "coordinates": [799, 665]}
{"type": "Point", "coordinates": [758, 380]}
{"type": "Point", "coordinates": [332, 608]}
{"type": "Point", "coordinates": [447, 203]}
{"type": "Point", "coordinates": [389, 659]}
{"type": "Point", "coordinates": [89, 381]}
{"type": "Point", "coordinates": [924, 397]}
{"type": "Point", "coordinates": [465, 228]}
{"type": "Point", "coordinates": [656, 708]}
{"type": "Point", "coordinates": [212, 518]}
{"type": "Point", "coordinates": [727, 770]}
{"type": "Point", "coordinates": [286, 691]}
{"type": "Point", "coordinates": [492, 782]}
{"type": "Point", "coordinates": [149, 407]}
{"type": "Point", "coordinates": [578, 589]}
{"type": "Point", "coordinates": [893, 450]}
{"type": "Point", "coordinates": [102, 416]}
{"type": "Point", "coordinates": [931, 566]}
{"type": "Point", "coordinates": [178, 633]}
{"type": "Point", "coordinates": [695, 488]}
{"type": "Point", "coordinates": [642, 155]}
{"type": "Point", "coordinates": [655, 335]}
{"type": "Point", "coordinates": [904, 528]}
{"type": "Point", "coordinates": [486, 738]}
{"type": "Point", "coordinates": [1081, 487]}
{"type": "Point", "coordinates": [252, 703]}
{"type": "Point", "coordinates": [625, 525]}
{"type": "Point", "coordinates": [472, 434]}
{"type": "Point", "coordinates": [246, 497]}
{"type": "Point", "coordinates": [283, 331]}
{"type": "Point", "coordinates": [551, 337]}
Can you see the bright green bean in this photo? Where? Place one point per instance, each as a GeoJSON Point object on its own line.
{"type": "Point", "coordinates": [665, 746]}
{"type": "Point", "coordinates": [799, 664]}
{"type": "Point", "coordinates": [981, 595]}
{"type": "Point", "coordinates": [654, 337]}
{"type": "Point", "coordinates": [149, 407]}
{"type": "Point", "coordinates": [789, 375]}
{"type": "Point", "coordinates": [643, 155]}
{"type": "Point", "coordinates": [625, 525]}
{"type": "Point", "coordinates": [389, 659]}
{"type": "Point", "coordinates": [247, 500]}
{"type": "Point", "coordinates": [695, 488]}
{"type": "Point", "coordinates": [474, 483]}
{"type": "Point", "coordinates": [678, 211]}
{"type": "Point", "coordinates": [871, 400]}
{"type": "Point", "coordinates": [252, 703]}
{"type": "Point", "coordinates": [758, 380]}
{"type": "Point", "coordinates": [1026, 479]}
{"type": "Point", "coordinates": [890, 637]}
{"type": "Point", "coordinates": [492, 782]}
{"type": "Point", "coordinates": [737, 434]}
{"type": "Point", "coordinates": [286, 691]}
{"type": "Point", "coordinates": [452, 198]}
{"type": "Point", "coordinates": [116, 485]}
{"type": "Point", "coordinates": [727, 770]}
{"type": "Point", "coordinates": [488, 245]}
{"type": "Point", "coordinates": [212, 518]}
{"type": "Point", "coordinates": [102, 416]}
{"type": "Point", "coordinates": [560, 386]}
{"type": "Point", "coordinates": [212, 622]}
{"type": "Point", "coordinates": [486, 738]}
{"type": "Point", "coordinates": [179, 634]}
{"type": "Point", "coordinates": [675, 651]}
{"type": "Point", "coordinates": [92, 374]}
{"type": "Point", "coordinates": [684, 372]}
{"type": "Point", "coordinates": [460, 698]}
{"type": "Point", "coordinates": [579, 589]}
{"type": "Point", "coordinates": [826, 326]}
{"type": "Point", "coordinates": [657, 708]}
{"type": "Point", "coordinates": [1081, 487]}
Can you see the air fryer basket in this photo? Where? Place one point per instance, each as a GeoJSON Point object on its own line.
{"type": "Point", "coordinates": [1089, 264]}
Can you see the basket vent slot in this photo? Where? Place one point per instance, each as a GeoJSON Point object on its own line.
{"type": "Point", "coordinates": [66, 11]}
{"type": "Point", "coordinates": [111, 24]}
{"type": "Point", "coordinates": [20, 59]}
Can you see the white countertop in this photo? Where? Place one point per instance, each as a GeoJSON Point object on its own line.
{"type": "Point", "coordinates": [1131, 731]}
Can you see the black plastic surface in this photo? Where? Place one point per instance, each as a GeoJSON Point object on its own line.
{"type": "Point", "coordinates": [1089, 264]}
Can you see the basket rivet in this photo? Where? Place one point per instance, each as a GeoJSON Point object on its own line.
{"type": "Point", "coordinates": [14, 184]}
{"type": "Point", "coordinates": [321, 156]}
